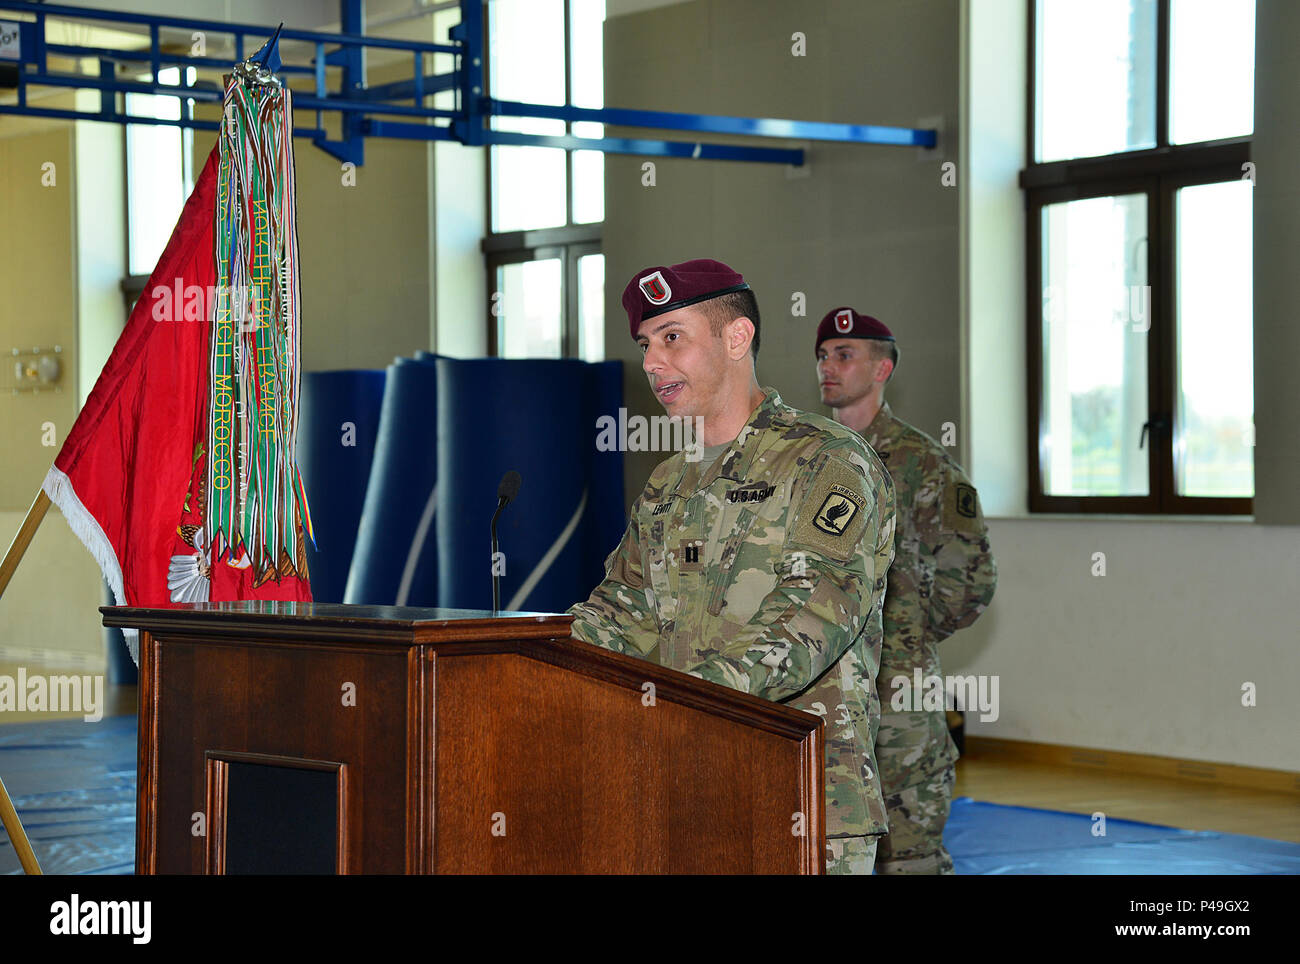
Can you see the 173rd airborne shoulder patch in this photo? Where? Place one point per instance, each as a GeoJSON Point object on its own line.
{"type": "Point", "coordinates": [838, 496]}
{"type": "Point", "coordinates": [961, 507]}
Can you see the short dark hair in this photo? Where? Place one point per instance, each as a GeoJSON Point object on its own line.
{"type": "Point", "coordinates": [881, 349]}
{"type": "Point", "coordinates": [725, 309]}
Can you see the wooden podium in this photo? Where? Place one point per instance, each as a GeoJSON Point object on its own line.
{"type": "Point", "coordinates": [324, 738]}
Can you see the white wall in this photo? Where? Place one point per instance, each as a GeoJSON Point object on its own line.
{"type": "Point", "coordinates": [1151, 657]}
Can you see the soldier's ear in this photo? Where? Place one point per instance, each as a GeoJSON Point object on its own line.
{"type": "Point", "coordinates": [740, 334]}
{"type": "Point", "coordinates": [885, 369]}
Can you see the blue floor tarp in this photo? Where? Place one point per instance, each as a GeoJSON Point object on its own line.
{"type": "Point", "coordinates": [992, 838]}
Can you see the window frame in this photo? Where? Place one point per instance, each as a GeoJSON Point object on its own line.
{"type": "Point", "coordinates": [187, 78]}
{"type": "Point", "coordinates": [1159, 172]}
{"type": "Point", "coordinates": [568, 244]}
{"type": "Point", "coordinates": [569, 241]}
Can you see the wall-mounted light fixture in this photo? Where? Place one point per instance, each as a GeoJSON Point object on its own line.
{"type": "Point", "coordinates": [37, 369]}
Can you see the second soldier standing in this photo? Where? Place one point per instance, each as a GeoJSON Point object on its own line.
{"type": "Point", "coordinates": [942, 578]}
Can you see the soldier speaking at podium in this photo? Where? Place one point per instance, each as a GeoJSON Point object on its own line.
{"type": "Point", "coordinates": [760, 565]}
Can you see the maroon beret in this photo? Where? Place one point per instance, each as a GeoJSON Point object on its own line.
{"type": "Point", "coordinates": [658, 290]}
{"type": "Point", "coordinates": [847, 323]}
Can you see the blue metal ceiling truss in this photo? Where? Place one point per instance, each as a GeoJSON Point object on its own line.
{"type": "Point", "coordinates": [395, 110]}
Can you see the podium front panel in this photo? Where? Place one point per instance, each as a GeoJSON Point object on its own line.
{"type": "Point", "coordinates": [325, 738]}
{"type": "Point", "coordinates": [296, 706]}
{"type": "Point", "coordinates": [541, 769]}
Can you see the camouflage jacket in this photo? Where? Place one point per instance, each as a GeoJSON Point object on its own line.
{"type": "Point", "coordinates": [943, 574]}
{"type": "Point", "coordinates": [766, 574]}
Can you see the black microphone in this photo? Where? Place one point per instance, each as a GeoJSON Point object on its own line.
{"type": "Point", "coordinates": [506, 492]}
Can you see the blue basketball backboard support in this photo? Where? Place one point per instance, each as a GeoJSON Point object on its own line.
{"type": "Point", "coordinates": [394, 110]}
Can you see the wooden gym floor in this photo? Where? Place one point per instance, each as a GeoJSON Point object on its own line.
{"type": "Point", "coordinates": [1189, 804]}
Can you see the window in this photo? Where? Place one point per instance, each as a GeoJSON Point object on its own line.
{"type": "Point", "coordinates": [1139, 197]}
{"type": "Point", "coordinates": [548, 301]}
{"type": "Point", "coordinates": [159, 178]}
{"type": "Point", "coordinates": [158, 172]}
{"type": "Point", "coordinates": [545, 273]}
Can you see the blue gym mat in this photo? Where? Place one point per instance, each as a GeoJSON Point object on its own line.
{"type": "Point", "coordinates": [338, 423]}
{"type": "Point", "coordinates": [74, 786]}
{"type": "Point", "coordinates": [992, 838]}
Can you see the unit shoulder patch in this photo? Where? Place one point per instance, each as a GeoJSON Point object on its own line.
{"type": "Point", "coordinates": [965, 500]}
{"type": "Point", "coordinates": [834, 513]}
{"type": "Point", "coordinates": [837, 511]}
{"type": "Point", "coordinates": [961, 507]}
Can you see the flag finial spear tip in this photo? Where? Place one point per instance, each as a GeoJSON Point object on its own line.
{"type": "Point", "coordinates": [271, 49]}
{"type": "Point", "coordinates": [261, 67]}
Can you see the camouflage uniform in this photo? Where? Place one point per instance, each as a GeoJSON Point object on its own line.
{"type": "Point", "coordinates": [850, 855]}
{"type": "Point", "coordinates": [942, 579]}
{"type": "Point", "coordinates": [765, 572]}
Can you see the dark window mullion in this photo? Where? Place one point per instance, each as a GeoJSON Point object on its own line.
{"type": "Point", "coordinates": [1162, 73]}
{"type": "Point", "coordinates": [571, 345]}
{"type": "Point", "coordinates": [568, 179]}
{"type": "Point", "coordinates": [568, 125]}
{"type": "Point", "coordinates": [1157, 161]}
{"type": "Point", "coordinates": [1034, 341]}
{"type": "Point", "coordinates": [1162, 343]}
{"type": "Point", "coordinates": [491, 266]}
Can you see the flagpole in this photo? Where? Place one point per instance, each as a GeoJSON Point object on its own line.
{"type": "Point", "coordinates": [8, 815]}
{"type": "Point", "coordinates": [23, 539]}
{"type": "Point", "coordinates": [17, 836]}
